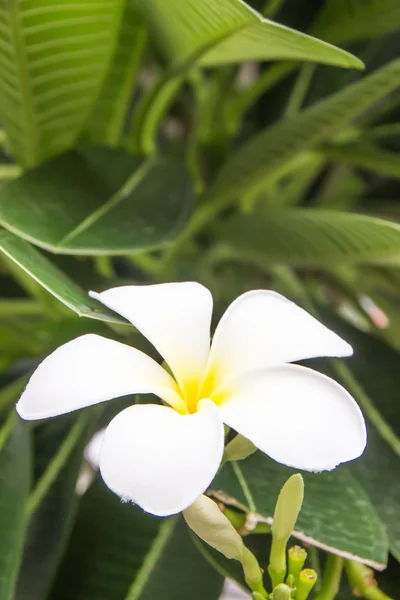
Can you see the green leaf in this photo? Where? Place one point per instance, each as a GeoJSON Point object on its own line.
{"type": "Point", "coordinates": [376, 367]}
{"type": "Point", "coordinates": [35, 264]}
{"type": "Point", "coordinates": [229, 31]}
{"type": "Point", "coordinates": [366, 156]}
{"type": "Point", "coordinates": [346, 20]}
{"type": "Point", "coordinates": [15, 482]}
{"type": "Point", "coordinates": [312, 237]}
{"type": "Point", "coordinates": [53, 60]}
{"type": "Point", "coordinates": [98, 201]}
{"type": "Point", "coordinates": [110, 112]}
{"type": "Point", "coordinates": [52, 520]}
{"type": "Point", "coordinates": [117, 551]}
{"type": "Point", "coordinates": [336, 514]}
{"type": "Point", "coordinates": [269, 154]}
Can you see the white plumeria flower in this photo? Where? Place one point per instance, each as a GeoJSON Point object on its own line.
{"type": "Point", "coordinates": [164, 457]}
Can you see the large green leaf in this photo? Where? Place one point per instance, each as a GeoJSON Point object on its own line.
{"type": "Point", "coordinates": [15, 482]}
{"type": "Point", "coordinates": [216, 32]}
{"type": "Point", "coordinates": [53, 58]}
{"type": "Point", "coordinates": [345, 20]}
{"type": "Point", "coordinates": [98, 201]}
{"type": "Point", "coordinates": [35, 264]}
{"type": "Point", "coordinates": [52, 520]}
{"type": "Point", "coordinates": [269, 153]}
{"type": "Point", "coordinates": [376, 367]}
{"type": "Point", "coordinates": [336, 515]}
{"type": "Point", "coordinates": [312, 237]}
{"type": "Point", "coordinates": [110, 112]}
{"type": "Point", "coordinates": [117, 551]}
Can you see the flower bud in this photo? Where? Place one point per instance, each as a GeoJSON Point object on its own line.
{"type": "Point", "coordinates": [286, 512]}
{"type": "Point", "coordinates": [305, 584]}
{"type": "Point", "coordinates": [281, 592]}
{"type": "Point", "coordinates": [213, 527]}
{"type": "Point", "coordinates": [296, 559]}
{"type": "Point", "coordinates": [238, 449]}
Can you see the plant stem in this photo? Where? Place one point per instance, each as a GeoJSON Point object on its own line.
{"type": "Point", "coordinates": [55, 465]}
{"type": "Point", "coordinates": [271, 8]}
{"type": "Point", "coordinates": [267, 80]}
{"type": "Point", "coordinates": [331, 578]}
{"type": "Point", "coordinates": [367, 405]}
{"type": "Point", "coordinates": [362, 580]}
{"type": "Point", "coordinates": [300, 89]}
{"type": "Point", "coordinates": [9, 171]}
{"type": "Point", "coordinates": [20, 308]}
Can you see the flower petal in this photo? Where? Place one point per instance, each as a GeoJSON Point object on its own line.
{"type": "Point", "coordinates": [297, 416]}
{"type": "Point", "coordinates": [263, 328]}
{"type": "Point", "coordinates": [175, 317]}
{"type": "Point", "coordinates": [160, 459]}
{"type": "Point", "coordinates": [88, 370]}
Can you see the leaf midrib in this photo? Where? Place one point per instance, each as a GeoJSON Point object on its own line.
{"type": "Point", "coordinates": [28, 107]}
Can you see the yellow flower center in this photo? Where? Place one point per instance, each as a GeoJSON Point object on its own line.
{"type": "Point", "coordinates": [194, 391]}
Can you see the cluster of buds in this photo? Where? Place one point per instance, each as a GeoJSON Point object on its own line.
{"type": "Point", "coordinates": [290, 581]}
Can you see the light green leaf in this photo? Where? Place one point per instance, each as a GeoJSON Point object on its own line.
{"type": "Point", "coordinates": [110, 112]}
{"type": "Point", "coordinates": [53, 60]}
{"type": "Point", "coordinates": [119, 552]}
{"type": "Point", "coordinates": [345, 20]}
{"type": "Point", "coordinates": [269, 154]}
{"type": "Point", "coordinates": [98, 201]}
{"type": "Point", "coordinates": [15, 481]}
{"type": "Point", "coordinates": [52, 279]}
{"type": "Point", "coordinates": [53, 518]}
{"type": "Point", "coordinates": [312, 237]}
{"type": "Point", "coordinates": [336, 514]}
{"type": "Point", "coordinates": [215, 32]}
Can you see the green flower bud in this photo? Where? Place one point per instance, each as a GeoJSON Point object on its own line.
{"type": "Point", "coordinates": [296, 559]}
{"type": "Point", "coordinates": [281, 592]}
{"type": "Point", "coordinates": [306, 582]}
{"type": "Point", "coordinates": [213, 527]}
{"type": "Point", "coordinates": [238, 449]}
{"type": "Point", "coordinates": [285, 516]}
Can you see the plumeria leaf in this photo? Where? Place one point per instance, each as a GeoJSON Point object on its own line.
{"type": "Point", "coordinates": [110, 111]}
{"type": "Point", "coordinates": [52, 520]}
{"type": "Point", "coordinates": [98, 201]}
{"type": "Point", "coordinates": [341, 21]}
{"type": "Point", "coordinates": [375, 366]}
{"type": "Point", "coordinates": [311, 237]}
{"type": "Point", "coordinates": [268, 154]}
{"type": "Point", "coordinates": [117, 551]}
{"type": "Point", "coordinates": [366, 156]}
{"type": "Point", "coordinates": [229, 31]}
{"type": "Point", "coordinates": [53, 61]}
{"type": "Point", "coordinates": [336, 514]}
{"type": "Point", "coordinates": [52, 279]}
{"type": "Point", "coordinates": [15, 482]}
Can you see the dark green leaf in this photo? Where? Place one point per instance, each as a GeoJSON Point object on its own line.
{"type": "Point", "coordinates": [98, 201]}
{"type": "Point", "coordinates": [117, 551]}
{"type": "Point", "coordinates": [51, 522]}
{"type": "Point", "coordinates": [269, 154]}
{"type": "Point", "coordinates": [310, 237]}
{"type": "Point", "coordinates": [346, 20]}
{"type": "Point", "coordinates": [52, 279]}
{"type": "Point", "coordinates": [376, 367]}
{"type": "Point", "coordinates": [14, 490]}
{"type": "Point", "coordinates": [336, 514]}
